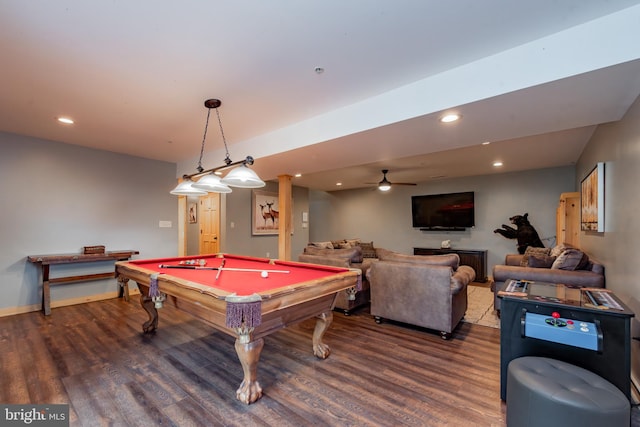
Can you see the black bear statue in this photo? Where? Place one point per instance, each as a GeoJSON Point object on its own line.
{"type": "Point", "coordinates": [524, 232]}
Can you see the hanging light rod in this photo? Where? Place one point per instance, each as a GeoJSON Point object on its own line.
{"type": "Point", "coordinates": [228, 164]}
{"type": "Point", "coordinates": [241, 177]}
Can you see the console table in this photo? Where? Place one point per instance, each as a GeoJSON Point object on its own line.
{"type": "Point", "coordinates": [476, 259]}
{"type": "Point", "coordinates": [45, 261]}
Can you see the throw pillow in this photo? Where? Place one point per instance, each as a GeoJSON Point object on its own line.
{"type": "Point", "coordinates": [323, 245]}
{"type": "Point", "coordinates": [342, 245]}
{"type": "Point", "coordinates": [540, 261]}
{"type": "Point", "coordinates": [368, 251]}
{"type": "Point", "coordinates": [353, 242]}
{"type": "Point", "coordinates": [571, 259]}
{"type": "Point", "coordinates": [533, 251]}
{"type": "Point", "coordinates": [558, 249]}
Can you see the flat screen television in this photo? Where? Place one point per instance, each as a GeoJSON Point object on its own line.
{"type": "Point", "coordinates": [451, 211]}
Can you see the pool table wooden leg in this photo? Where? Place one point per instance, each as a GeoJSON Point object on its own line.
{"type": "Point", "coordinates": [323, 322]}
{"type": "Point", "coordinates": [249, 354]}
{"type": "Point", "coordinates": [149, 306]}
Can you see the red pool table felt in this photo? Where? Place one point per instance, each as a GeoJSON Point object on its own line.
{"type": "Point", "coordinates": [240, 282]}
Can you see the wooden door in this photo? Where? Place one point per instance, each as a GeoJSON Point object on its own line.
{"type": "Point", "coordinates": [209, 223]}
{"type": "Point", "coordinates": [568, 219]}
{"type": "Point", "coordinates": [572, 220]}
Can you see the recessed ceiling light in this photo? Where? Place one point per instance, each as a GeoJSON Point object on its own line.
{"type": "Point", "coordinates": [486, 143]}
{"type": "Point", "coordinates": [298, 175]}
{"type": "Point", "coordinates": [497, 164]}
{"type": "Point", "coordinates": [319, 70]}
{"type": "Point", "coordinates": [338, 184]}
{"type": "Point", "coordinates": [65, 120]}
{"type": "Point", "coordinates": [450, 118]}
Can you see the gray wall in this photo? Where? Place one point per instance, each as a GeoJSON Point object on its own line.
{"type": "Point", "coordinates": [618, 145]}
{"type": "Point", "coordinates": [385, 218]}
{"type": "Point", "coordinates": [57, 198]}
{"type": "Point", "coordinates": [238, 239]}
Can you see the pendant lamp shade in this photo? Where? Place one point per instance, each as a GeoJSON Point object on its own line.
{"type": "Point", "coordinates": [211, 183]}
{"type": "Point", "coordinates": [243, 177]}
{"type": "Point", "coordinates": [185, 188]}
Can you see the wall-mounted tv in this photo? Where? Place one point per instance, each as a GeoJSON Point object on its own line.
{"type": "Point", "coordinates": [451, 211]}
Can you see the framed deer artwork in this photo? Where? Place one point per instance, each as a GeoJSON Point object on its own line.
{"type": "Point", "coordinates": [265, 213]}
{"type": "Point", "coordinates": [193, 213]}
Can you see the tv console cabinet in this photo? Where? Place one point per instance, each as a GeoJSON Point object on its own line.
{"type": "Point", "coordinates": [476, 259]}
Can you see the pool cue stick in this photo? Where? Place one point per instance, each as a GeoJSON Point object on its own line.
{"type": "Point", "coordinates": [193, 267]}
{"type": "Point", "coordinates": [187, 267]}
{"type": "Point", "coordinates": [257, 270]}
{"type": "Point", "coordinates": [221, 266]}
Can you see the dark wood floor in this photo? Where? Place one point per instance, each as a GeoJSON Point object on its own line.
{"type": "Point", "coordinates": [94, 357]}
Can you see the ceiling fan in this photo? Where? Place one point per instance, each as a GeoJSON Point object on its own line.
{"type": "Point", "coordinates": [385, 184]}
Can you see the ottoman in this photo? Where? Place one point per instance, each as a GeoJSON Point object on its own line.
{"type": "Point", "coordinates": [548, 392]}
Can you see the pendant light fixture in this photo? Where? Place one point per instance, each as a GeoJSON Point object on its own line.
{"type": "Point", "coordinates": [241, 177]}
{"type": "Point", "coordinates": [185, 188]}
{"type": "Point", "coordinates": [384, 185]}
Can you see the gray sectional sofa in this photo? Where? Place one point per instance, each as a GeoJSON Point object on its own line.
{"type": "Point", "coordinates": [349, 253]}
{"type": "Point", "coordinates": [561, 264]}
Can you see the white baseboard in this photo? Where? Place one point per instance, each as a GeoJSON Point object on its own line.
{"type": "Point", "coordinates": [10, 311]}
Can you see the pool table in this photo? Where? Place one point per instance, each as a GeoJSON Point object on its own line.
{"type": "Point", "coordinates": [231, 293]}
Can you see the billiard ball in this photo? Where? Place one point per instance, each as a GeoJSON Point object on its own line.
{"type": "Point", "coordinates": [264, 274]}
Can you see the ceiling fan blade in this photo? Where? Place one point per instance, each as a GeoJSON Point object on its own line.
{"type": "Point", "coordinates": [403, 183]}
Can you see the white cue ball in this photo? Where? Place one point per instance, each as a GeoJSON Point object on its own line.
{"type": "Point", "coordinates": [264, 274]}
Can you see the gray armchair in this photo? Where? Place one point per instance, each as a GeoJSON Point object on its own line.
{"type": "Point", "coordinates": [425, 291]}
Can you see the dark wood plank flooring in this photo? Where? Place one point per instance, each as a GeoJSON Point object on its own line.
{"type": "Point", "coordinates": [95, 358]}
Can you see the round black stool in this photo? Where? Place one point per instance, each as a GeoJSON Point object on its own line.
{"type": "Point", "coordinates": [547, 392]}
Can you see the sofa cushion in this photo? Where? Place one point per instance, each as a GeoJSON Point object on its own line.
{"type": "Point", "coordinates": [448, 260]}
{"type": "Point", "coordinates": [540, 261]}
{"type": "Point", "coordinates": [354, 254]}
{"type": "Point", "coordinates": [344, 262]}
{"type": "Point", "coordinates": [533, 251]}
{"type": "Point", "coordinates": [571, 259]}
{"type": "Point", "coordinates": [368, 251]}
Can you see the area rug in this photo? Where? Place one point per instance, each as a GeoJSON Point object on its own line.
{"type": "Point", "coordinates": [480, 307]}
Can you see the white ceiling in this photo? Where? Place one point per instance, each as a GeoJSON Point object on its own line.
{"type": "Point", "coordinates": [534, 78]}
